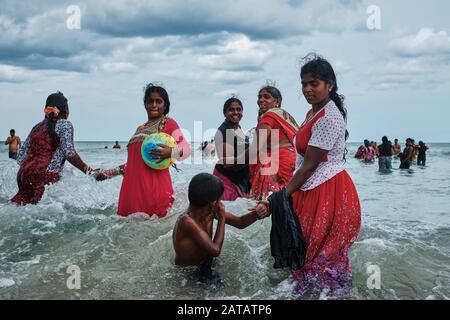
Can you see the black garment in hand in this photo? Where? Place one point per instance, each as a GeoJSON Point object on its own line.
{"type": "Point", "coordinates": [287, 244]}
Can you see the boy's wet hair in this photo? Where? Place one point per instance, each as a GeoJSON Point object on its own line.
{"type": "Point", "coordinates": [204, 188]}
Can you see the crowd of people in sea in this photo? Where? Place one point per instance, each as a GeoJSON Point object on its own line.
{"type": "Point", "coordinates": [412, 154]}
{"type": "Point", "coordinates": [297, 176]}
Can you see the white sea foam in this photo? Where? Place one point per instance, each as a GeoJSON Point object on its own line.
{"type": "Point", "coordinates": [6, 282]}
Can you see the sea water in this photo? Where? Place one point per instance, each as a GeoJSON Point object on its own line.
{"type": "Point", "coordinates": [402, 252]}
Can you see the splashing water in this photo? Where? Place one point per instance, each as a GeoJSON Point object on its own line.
{"type": "Point", "coordinates": [405, 233]}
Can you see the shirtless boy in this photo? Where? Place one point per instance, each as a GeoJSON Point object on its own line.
{"type": "Point", "coordinates": [193, 233]}
{"type": "Point", "coordinates": [14, 144]}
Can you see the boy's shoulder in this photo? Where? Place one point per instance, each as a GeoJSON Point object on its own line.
{"type": "Point", "coordinates": [184, 215]}
{"type": "Point", "coordinates": [185, 219]}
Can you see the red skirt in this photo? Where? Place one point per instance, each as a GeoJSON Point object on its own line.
{"type": "Point", "coordinates": [330, 218]}
{"type": "Point", "coordinates": [32, 182]}
{"type": "Point", "coordinates": [144, 189]}
{"type": "Point", "coordinates": [263, 181]}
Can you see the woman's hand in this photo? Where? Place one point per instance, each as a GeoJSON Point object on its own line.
{"type": "Point", "coordinates": [161, 154]}
{"type": "Point", "coordinates": [261, 209]}
{"type": "Point", "coordinates": [99, 175]}
{"type": "Point", "coordinates": [102, 174]}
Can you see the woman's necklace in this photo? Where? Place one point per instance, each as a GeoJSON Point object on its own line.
{"type": "Point", "coordinates": [312, 116]}
{"type": "Point", "coordinates": [155, 125]}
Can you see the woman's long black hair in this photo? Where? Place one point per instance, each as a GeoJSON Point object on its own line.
{"type": "Point", "coordinates": [321, 69]}
{"type": "Point", "coordinates": [59, 101]}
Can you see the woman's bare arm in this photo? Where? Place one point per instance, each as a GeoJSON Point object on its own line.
{"type": "Point", "coordinates": [312, 159]}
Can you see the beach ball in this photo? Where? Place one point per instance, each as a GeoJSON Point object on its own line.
{"type": "Point", "coordinates": [150, 143]}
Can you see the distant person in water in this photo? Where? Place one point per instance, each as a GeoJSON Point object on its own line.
{"type": "Point", "coordinates": [422, 156]}
{"type": "Point", "coordinates": [397, 148]}
{"type": "Point", "coordinates": [415, 152]}
{"type": "Point", "coordinates": [369, 152]}
{"type": "Point", "coordinates": [203, 148]}
{"type": "Point", "coordinates": [208, 149]}
{"type": "Point", "coordinates": [406, 155]}
{"type": "Point", "coordinates": [47, 147]}
{"type": "Point", "coordinates": [385, 154]}
{"type": "Point", "coordinates": [14, 144]}
{"type": "Point", "coordinates": [375, 148]}
{"type": "Point", "coordinates": [117, 145]}
{"type": "Point", "coordinates": [360, 152]}
{"type": "Point", "coordinates": [192, 237]}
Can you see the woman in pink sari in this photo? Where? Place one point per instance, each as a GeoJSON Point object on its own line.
{"type": "Point", "coordinates": [269, 174]}
{"type": "Point", "coordinates": [144, 189]}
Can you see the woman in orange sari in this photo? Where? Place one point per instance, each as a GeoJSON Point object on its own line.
{"type": "Point", "coordinates": [274, 135]}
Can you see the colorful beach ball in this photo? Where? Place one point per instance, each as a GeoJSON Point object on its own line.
{"type": "Point", "coordinates": [150, 143]}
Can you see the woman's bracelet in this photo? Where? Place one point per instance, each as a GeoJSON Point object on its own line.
{"type": "Point", "coordinates": [113, 172]}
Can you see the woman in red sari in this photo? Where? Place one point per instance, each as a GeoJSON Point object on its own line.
{"type": "Point", "coordinates": [145, 189]}
{"type": "Point", "coordinates": [269, 174]}
{"type": "Point", "coordinates": [323, 195]}
{"type": "Point", "coordinates": [48, 146]}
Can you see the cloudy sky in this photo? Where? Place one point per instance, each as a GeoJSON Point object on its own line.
{"type": "Point", "coordinates": [394, 71]}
